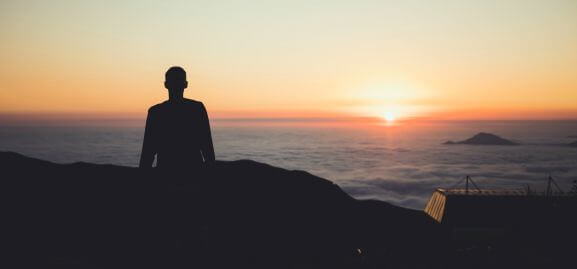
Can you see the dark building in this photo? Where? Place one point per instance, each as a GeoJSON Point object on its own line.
{"type": "Point", "coordinates": [476, 215]}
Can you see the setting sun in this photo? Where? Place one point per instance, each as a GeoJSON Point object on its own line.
{"type": "Point", "coordinates": [389, 117]}
{"type": "Point", "coordinates": [389, 100]}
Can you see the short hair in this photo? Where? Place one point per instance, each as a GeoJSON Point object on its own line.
{"type": "Point", "coordinates": [175, 73]}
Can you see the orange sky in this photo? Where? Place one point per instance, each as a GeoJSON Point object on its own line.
{"type": "Point", "coordinates": [441, 60]}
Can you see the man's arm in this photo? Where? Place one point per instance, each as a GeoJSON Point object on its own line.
{"type": "Point", "coordinates": [148, 151]}
{"type": "Point", "coordinates": [206, 143]}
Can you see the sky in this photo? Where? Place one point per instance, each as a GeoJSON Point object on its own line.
{"type": "Point", "coordinates": [487, 59]}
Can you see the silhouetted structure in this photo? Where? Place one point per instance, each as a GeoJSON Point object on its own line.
{"type": "Point", "coordinates": [476, 212]}
{"type": "Point", "coordinates": [177, 131]}
{"type": "Point", "coordinates": [504, 228]}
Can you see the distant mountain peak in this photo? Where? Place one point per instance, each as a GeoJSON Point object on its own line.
{"type": "Point", "coordinates": [483, 138]}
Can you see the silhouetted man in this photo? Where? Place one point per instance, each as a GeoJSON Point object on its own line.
{"type": "Point", "coordinates": [177, 131]}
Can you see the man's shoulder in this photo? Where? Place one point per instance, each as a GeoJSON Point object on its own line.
{"type": "Point", "coordinates": [194, 105]}
{"type": "Point", "coordinates": [156, 107]}
{"type": "Point", "coordinates": [193, 102]}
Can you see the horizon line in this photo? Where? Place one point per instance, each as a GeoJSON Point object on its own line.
{"type": "Point", "coordinates": [15, 119]}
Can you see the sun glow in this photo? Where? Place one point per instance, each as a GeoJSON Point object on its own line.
{"type": "Point", "coordinates": [390, 102]}
{"type": "Point", "coordinates": [389, 117]}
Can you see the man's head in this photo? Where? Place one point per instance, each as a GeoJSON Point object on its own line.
{"type": "Point", "coordinates": [175, 79]}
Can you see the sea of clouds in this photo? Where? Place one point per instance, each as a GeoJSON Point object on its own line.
{"type": "Point", "coordinates": [399, 164]}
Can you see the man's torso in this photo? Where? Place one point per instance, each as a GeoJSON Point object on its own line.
{"type": "Point", "coordinates": [177, 128]}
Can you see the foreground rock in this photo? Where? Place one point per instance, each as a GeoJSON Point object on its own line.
{"type": "Point", "coordinates": [240, 214]}
{"type": "Point", "coordinates": [484, 139]}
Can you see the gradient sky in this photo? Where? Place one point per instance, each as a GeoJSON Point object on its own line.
{"type": "Point", "coordinates": [435, 59]}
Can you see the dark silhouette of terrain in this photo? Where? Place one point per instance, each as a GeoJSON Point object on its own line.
{"type": "Point", "coordinates": [177, 131]}
{"type": "Point", "coordinates": [573, 144]}
{"type": "Point", "coordinates": [239, 214]}
{"type": "Point", "coordinates": [243, 214]}
{"type": "Point", "coordinates": [483, 139]}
